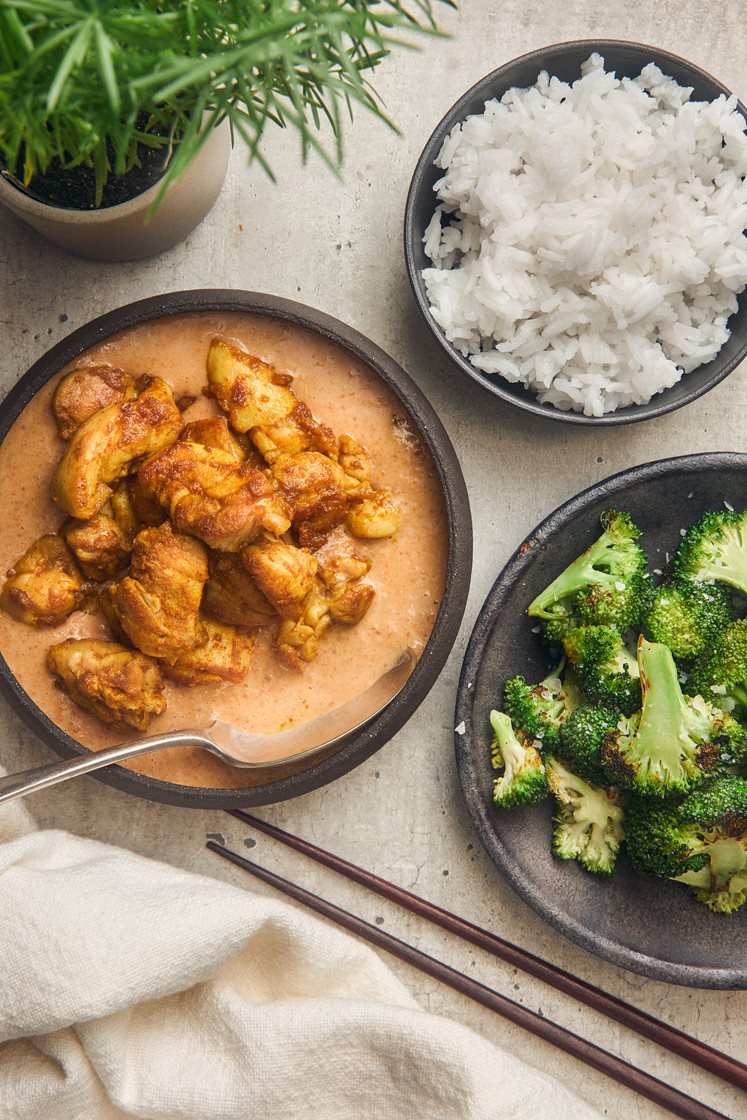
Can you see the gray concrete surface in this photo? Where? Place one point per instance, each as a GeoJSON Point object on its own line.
{"type": "Point", "coordinates": [337, 246]}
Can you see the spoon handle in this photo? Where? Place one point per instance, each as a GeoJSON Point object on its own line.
{"type": "Point", "coordinates": [29, 781]}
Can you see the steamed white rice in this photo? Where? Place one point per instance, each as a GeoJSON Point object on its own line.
{"type": "Point", "coordinates": [589, 238]}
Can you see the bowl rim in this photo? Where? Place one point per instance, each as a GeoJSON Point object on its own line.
{"type": "Point", "coordinates": [456, 513]}
{"type": "Point", "coordinates": [412, 235]}
{"type": "Point", "coordinates": [488, 617]}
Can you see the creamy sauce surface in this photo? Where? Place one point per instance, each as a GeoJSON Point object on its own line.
{"type": "Point", "coordinates": [408, 571]}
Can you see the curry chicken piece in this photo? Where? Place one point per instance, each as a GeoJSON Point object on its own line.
{"type": "Point", "coordinates": [88, 389]}
{"type": "Point", "coordinates": [223, 654]}
{"type": "Point", "coordinates": [231, 596]}
{"type": "Point", "coordinates": [107, 444]}
{"type": "Point", "coordinates": [297, 640]}
{"type": "Point", "coordinates": [283, 573]}
{"type": "Point", "coordinates": [45, 585]}
{"type": "Point", "coordinates": [213, 431]}
{"type": "Point", "coordinates": [338, 595]}
{"type": "Point", "coordinates": [317, 492]}
{"type": "Point", "coordinates": [342, 572]}
{"type": "Point", "coordinates": [157, 605]}
{"type": "Point", "coordinates": [259, 400]}
{"type": "Point", "coordinates": [118, 685]}
{"type": "Point", "coordinates": [133, 509]}
{"type": "Point", "coordinates": [374, 517]}
{"type": "Point", "coordinates": [101, 546]}
{"type": "Point", "coordinates": [212, 496]}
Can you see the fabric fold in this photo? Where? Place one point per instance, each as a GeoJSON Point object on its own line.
{"type": "Point", "coordinates": [133, 989]}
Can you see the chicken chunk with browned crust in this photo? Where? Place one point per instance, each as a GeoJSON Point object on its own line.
{"type": "Point", "coordinates": [157, 605]}
{"type": "Point", "coordinates": [374, 517]}
{"type": "Point", "coordinates": [45, 585]}
{"type": "Point", "coordinates": [283, 573]}
{"type": "Point", "coordinates": [213, 431]}
{"type": "Point", "coordinates": [101, 546]}
{"type": "Point", "coordinates": [339, 595]}
{"type": "Point", "coordinates": [88, 389]}
{"type": "Point", "coordinates": [341, 571]}
{"type": "Point", "coordinates": [116, 684]}
{"type": "Point", "coordinates": [133, 509]}
{"type": "Point", "coordinates": [231, 596]}
{"type": "Point", "coordinates": [317, 492]}
{"type": "Point", "coordinates": [297, 640]}
{"type": "Point", "coordinates": [223, 654]}
{"type": "Point", "coordinates": [212, 496]}
{"type": "Point", "coordinates": [260, 401]}
{"type": "Point", "coordinates": [109, 443]}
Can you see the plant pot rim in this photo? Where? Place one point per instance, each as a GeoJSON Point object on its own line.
{"type": "Point", "coordinates": [72, 215]}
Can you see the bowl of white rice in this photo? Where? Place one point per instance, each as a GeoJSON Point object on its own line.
{"type": "Point", "coordinates": [575, 232]}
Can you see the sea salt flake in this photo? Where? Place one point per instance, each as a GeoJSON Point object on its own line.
{"type": "Point", "coordinates": [536, 629]}
{"type": "Point", "coordinates": [729, 506]}
{"type": "Point", "coordinates": [461, 728]}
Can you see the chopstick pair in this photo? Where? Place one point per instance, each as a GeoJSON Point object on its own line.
{"type": "Point", "coordinates": [680, 1104]}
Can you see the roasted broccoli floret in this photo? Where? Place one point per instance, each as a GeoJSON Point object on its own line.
{"type": "Point", "coordinates": [606, 668]}
{"type": "Point", "coordinates": [687, 616]}
{"type": "Point", "coordinates": [540, 710]}
{"type": "Point", "coordinates": [701, 842]}
{"type": "Point", "coordinates": [581, 738]}
{"type": "Point", "coordinates": [588, 823]}
{"type": "Point", "coordinates": [607, 585]}
{"type": "Point", "coordinates": [523, 780]}
{"type": "Point", "coordinates": [675, 741]}
{"type": "Point", "coordinates": [721, 671]}
{"type": "Point", "coordinates": [715, 548]}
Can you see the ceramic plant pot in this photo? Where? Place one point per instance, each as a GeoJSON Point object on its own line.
{"type": "Point", "coordinates": [123, 232]}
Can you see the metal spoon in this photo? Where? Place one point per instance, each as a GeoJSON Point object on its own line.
{"type": "Point", "coordinates": [237, 748]}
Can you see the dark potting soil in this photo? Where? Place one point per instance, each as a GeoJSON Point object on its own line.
{"type": "Point", "coordinates": [75, 188]}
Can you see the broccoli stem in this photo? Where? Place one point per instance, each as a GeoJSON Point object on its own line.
{"type": "Point", "coordinates": [576, 577]}
{"type": "Point", "coordinates": [669, 731]}
{"type": "Point", "coordinates": [726, 563]}
{"type": "Point", "coordinates": [727, 859]}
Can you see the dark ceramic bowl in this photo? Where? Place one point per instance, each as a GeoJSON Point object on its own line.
{"type": "Point", "coordinates": [635, 921]}
{"type": "Point", "coordinates": [280, 781]}
{"type": "Point", "coordinates": [562, 60]}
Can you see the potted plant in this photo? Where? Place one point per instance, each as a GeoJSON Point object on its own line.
{"type": "Point", "coordinates": [116, 116]}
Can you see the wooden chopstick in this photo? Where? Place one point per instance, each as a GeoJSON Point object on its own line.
{"type": "Point", "coordinates": [633, 1078]}
{"type": "Point", "coordinates": [671, 1038]}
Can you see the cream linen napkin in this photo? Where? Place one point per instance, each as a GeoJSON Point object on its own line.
{"type": "Point", "coordinates": [129, 988]}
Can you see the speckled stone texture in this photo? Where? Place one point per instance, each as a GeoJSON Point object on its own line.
{"type": "Point", "coordinates": [337, 245]}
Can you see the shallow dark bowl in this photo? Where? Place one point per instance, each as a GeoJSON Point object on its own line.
{"type": "Point", "coordinates": [562, 60]}
{"type": "Point", "coordinates": [633, 920]}
{"type": "Point", "coordinates": [304, 775]}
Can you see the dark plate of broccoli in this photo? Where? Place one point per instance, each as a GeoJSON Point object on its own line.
{"type": "Point", "coordinates": [608, 609]}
